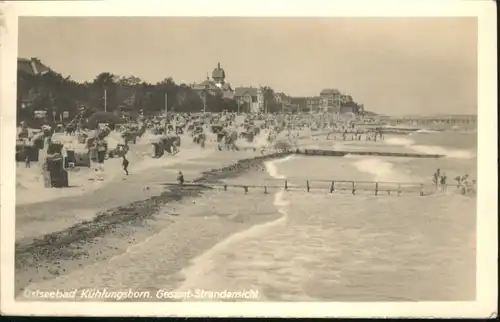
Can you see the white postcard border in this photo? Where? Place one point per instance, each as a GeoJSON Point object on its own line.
{"type": "Point", "coordinates": [486, 281]}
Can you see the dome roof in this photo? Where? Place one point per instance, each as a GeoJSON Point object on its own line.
{"type": "Point", "coordinates": [218, 72]}
{"type": "Point", "coordinates": [329, 91]}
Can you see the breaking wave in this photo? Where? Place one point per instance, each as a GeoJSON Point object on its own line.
{"type": "Point", "coordinates": [431, 149]}
{"type": "Point", "coordinates": [382, 170]}
{"type": "Point", "coordinates": [425, 131]}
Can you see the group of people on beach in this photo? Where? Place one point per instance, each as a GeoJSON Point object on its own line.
{"type": "Point", "coordinates": [440, 181]}
{"type": "Point", "coordinates": [281, 128]}
{"type": "Point", "coordinates": [351, 131]}
{"type": "Point", "coordinates": [356, 135]}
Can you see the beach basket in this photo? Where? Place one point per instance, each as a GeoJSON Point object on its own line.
{"type": "Point", "coordinates": [220, 136]}
{"type": "Point", "coordinates": [54, 147]}
{"type": "Point", "coordinates": [82, 137]}
{"type": "Point", "coordinates": [70, 158]}
{"type": "Point", "coordinates": [158, 150]}
{"type": "Point", "coordinates": [39, 142]}
{"type": "Point", "coordinates": [101, 156]}
{"type": "Point", "coordinates": [130, 137]}
{"type": "Point", "coordinates": [216, 128]}
{"type": "Point", "coordinates": [24, 134]}
{"type": "Point", "coordinates": [249, 136]}
{"type": "Point", "coordinates": [82, 159]}
{"type": "Point", "coordinates": [179, 129]}
{"type": "Point", "coordinates": [46, 130]}
{"type": "Point", "coordinates": [102, 148]}
{"type": "Point", "coordinates": [166, 143]}
{"type": "Point", "coordinates": [32, 152]}
{"type": "Point", "coordinates": [20, 151]}
{"type": "Point", "coordinates": [53, 172]}
{"type": "Point", "coordinates": [93, 154]}
{"type": "Point", "coordinates": [79, 158]}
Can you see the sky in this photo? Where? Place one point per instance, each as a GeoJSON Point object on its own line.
{"type": "Point", "coordinates": [419, 65]}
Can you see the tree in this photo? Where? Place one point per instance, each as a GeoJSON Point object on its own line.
{"type": "Point", "coordinates": [216, 103]}
{"type": "Point", "coordinates": [270, 100]}
{"type": "Point", "coordinates": [105, 83]}
{"type": "Point", "coordinates": [53, 92]}
{"type": "Point", "coordinates": [188, 100]}
{"type": "Point", "coordinates": [129, 93]}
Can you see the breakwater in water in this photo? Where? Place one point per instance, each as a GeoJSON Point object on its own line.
{"type": "Point", "coordinates": [336, 153]}
{"type": "Point", "coordinates": [332, 186]}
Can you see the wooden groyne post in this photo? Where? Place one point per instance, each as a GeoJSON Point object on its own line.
{"type": "Point", "coordinates": [397, 187]}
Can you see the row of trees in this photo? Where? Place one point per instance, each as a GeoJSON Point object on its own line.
{"type": "Point", "coordinates": [56, 94]}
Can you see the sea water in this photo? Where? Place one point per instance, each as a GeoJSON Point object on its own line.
{"type": "Point", "coordinates": [360, 247]}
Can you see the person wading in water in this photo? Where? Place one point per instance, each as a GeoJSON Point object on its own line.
{"type": "Point", "coordinates": [125, 164]}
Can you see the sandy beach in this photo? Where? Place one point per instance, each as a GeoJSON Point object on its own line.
{"type": "Point", "coordinates": [77, 246]}
{"type": "Point", "coordinates": [63, 226]}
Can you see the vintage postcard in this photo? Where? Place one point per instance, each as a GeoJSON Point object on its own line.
{"type": "Point", "coordinates": [249, 158]}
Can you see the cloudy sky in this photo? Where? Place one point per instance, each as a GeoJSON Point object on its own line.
{"type": "Point", "coordinates": [392, 65]}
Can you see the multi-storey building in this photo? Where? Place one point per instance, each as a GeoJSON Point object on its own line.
{"type": "Point", "coordinates": [330, 100]}
{"type": "Point", "coordinates": [314, 104]}
{"type": "Point", "coordinates": [250, 98]}
{"type": "Point", "coordinates": [300, 103]}
{"type": "Point", "coordinates": [282, 98]}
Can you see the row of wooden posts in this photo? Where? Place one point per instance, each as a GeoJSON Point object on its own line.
{"type": "Point", "coordinates": [332, 187]}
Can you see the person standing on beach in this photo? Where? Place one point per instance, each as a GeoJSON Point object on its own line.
{"type": "Point", "coordinates": [27, 161]}
{"type": "Point", "coordinates": [180, 178]}
{"type": "Point", "coordinates": [125, 163]}
{"type": "Point", "coordinates": [435, 178]}
{"type": "Point", "coordinates": [464, 183]}
{"type": "Point", "coordinates": [443, 182]}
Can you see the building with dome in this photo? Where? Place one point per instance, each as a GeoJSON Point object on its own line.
{"type": "Point", "coordinates": [215, 86]}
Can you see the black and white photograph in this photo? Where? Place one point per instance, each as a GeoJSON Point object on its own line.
{"type": "Point", "coordinates": [250, 159]}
